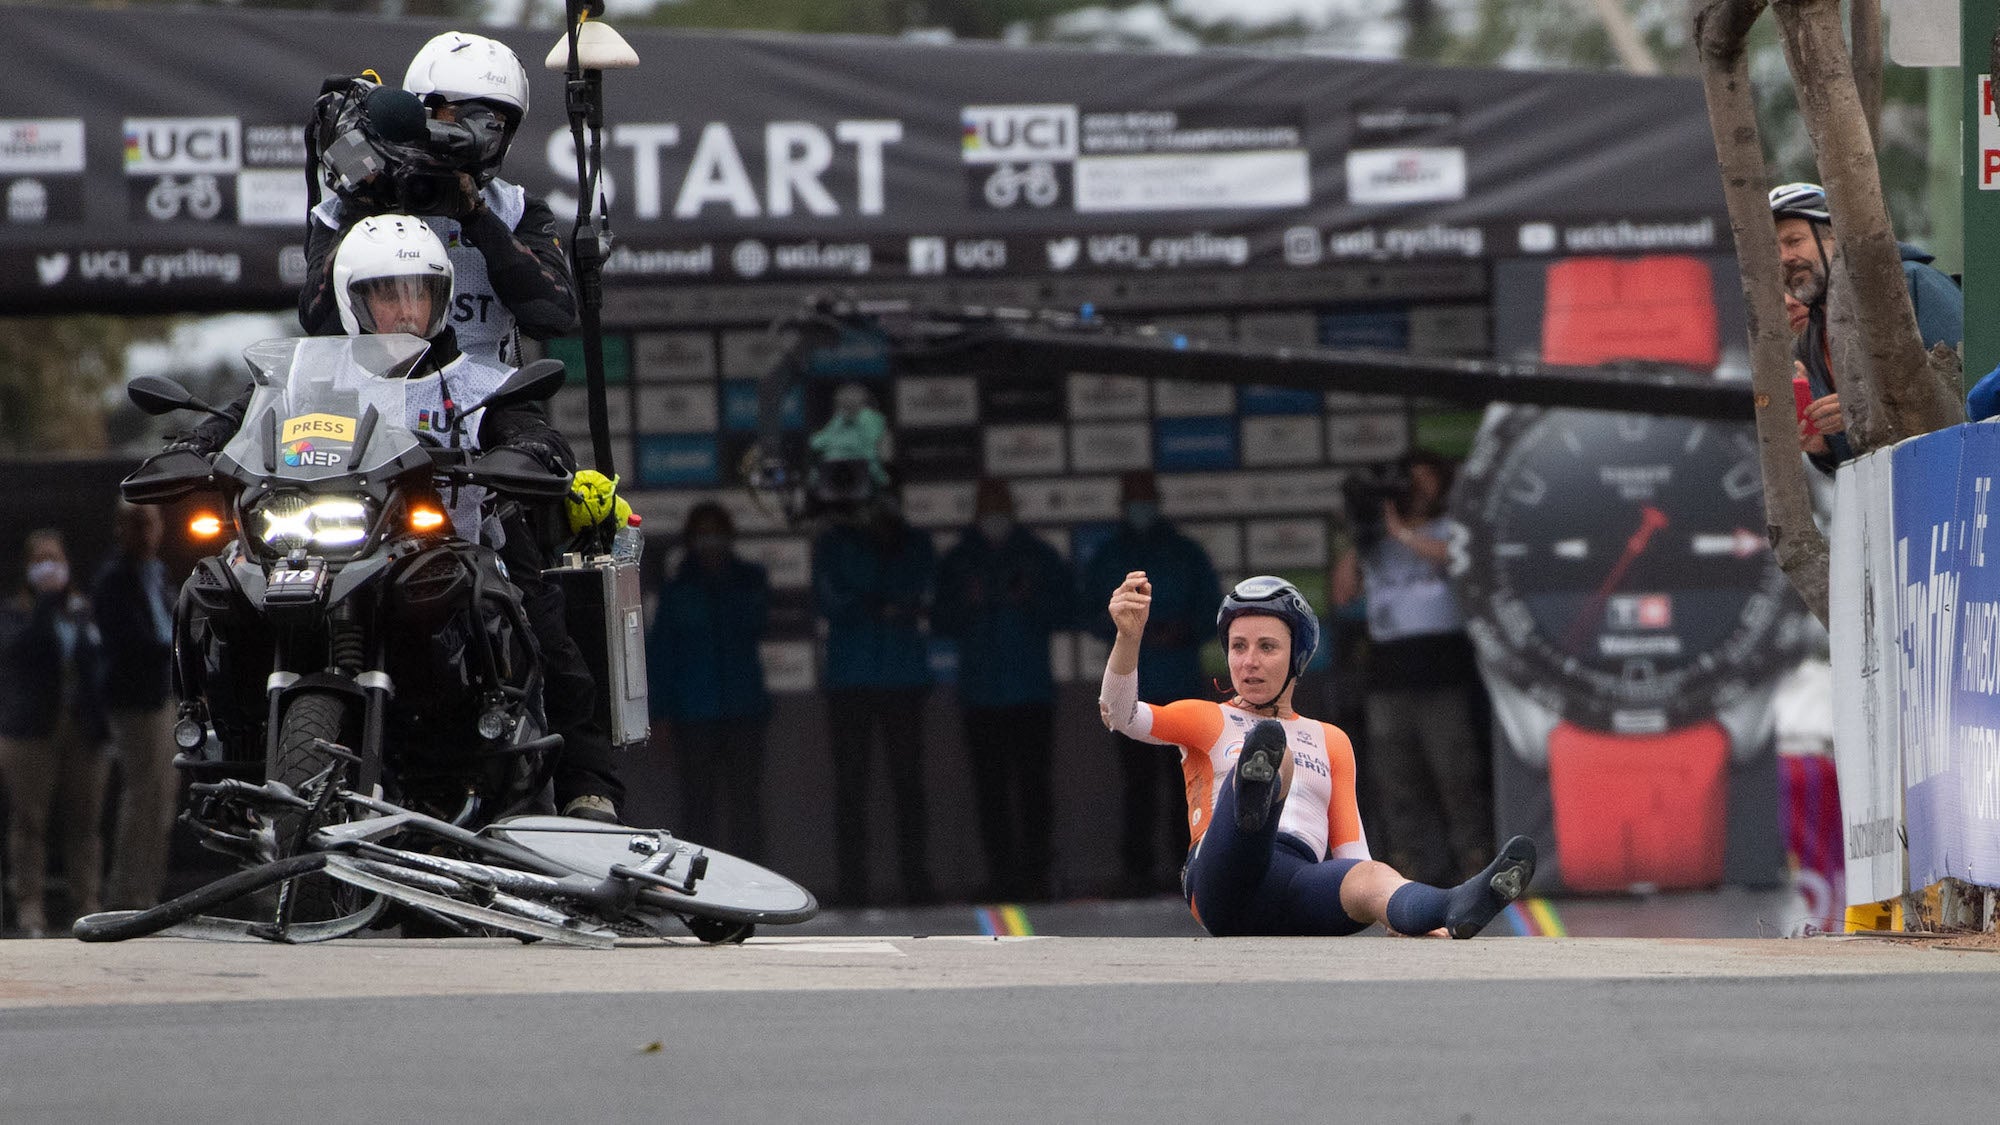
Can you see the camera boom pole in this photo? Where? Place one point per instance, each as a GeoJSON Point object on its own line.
{"type": "Point", "coordinates": [584, 99]}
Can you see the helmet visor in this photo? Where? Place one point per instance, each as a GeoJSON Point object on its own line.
{"type": "Point", "coordinates": [412, 303]}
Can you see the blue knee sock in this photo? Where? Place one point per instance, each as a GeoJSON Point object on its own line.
{"type": "Point", "coordinates": [1415, 908]}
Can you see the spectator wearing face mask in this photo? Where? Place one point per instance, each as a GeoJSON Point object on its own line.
{"type": "Point", "coordinates": [1002, 592]}
{"type": "Point", "coordinates": [52, 734]}
{"type": "Point", "coordinates": [706, 683]}
{"type": "Point", "coordinates": [1184, 595]}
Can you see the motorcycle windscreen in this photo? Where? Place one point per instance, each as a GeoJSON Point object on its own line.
{"type": "Point", "coordinates": [327, 406]}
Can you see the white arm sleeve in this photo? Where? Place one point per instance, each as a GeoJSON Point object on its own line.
{"type": "Point", "coordinates": [1356, 850]}
{"type": "Point", "coordinates": [1118, 704]}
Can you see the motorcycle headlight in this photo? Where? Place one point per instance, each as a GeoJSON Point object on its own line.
{"type": "Point", "coordinates": [286, 521]}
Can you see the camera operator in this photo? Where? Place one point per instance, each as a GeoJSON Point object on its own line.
{"type": "Point", "coordinates": [1420, 674]}
{"type": "Point", "coordinates": [510, 264]}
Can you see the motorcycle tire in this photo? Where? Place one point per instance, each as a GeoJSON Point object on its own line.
{"type": "Point", "coordinates": [294, 761]}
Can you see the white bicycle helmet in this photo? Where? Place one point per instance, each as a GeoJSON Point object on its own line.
{"type": "Point", "coordinates": [457, 67]}
{"type": "Point", "coordinates": [1800, 201]}
{"type": "Point", "coordinates": [390, 250]}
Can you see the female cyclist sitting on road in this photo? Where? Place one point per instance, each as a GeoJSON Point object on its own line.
{"type": "Point", "coordinates": [1278, 848]}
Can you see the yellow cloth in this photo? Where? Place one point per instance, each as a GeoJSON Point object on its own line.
{"type": "Point", "coordinates": [593, 499]}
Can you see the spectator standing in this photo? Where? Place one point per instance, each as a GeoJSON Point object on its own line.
{"type": "Point", "coordinates": [1806, 248]}
{"type": "Point", "coordinates": [1001, 593]}
{"type": "Point", "coordinates": [1421, 679]}
{"type": "Point", "coordinates": [872, 575]}
{"type": "Point", "coordinates": [1184, 592]}
{"type": "Point", "coordinates": [51, 734]}
{"type": "Point", "coordinates": [134, 612]}
{"type": "Point", "coordinates": [707, 683]}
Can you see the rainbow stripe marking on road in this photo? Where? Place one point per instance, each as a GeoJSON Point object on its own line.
{"type": "Point", "coordinates": [1534, 917]}
{"type": "Point", "coordinates": [1004, 921]}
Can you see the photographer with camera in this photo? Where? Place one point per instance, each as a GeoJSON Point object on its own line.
{"type": "Point", "coordinates": [1420, 676]}
{"type": "Point", "coordinates": [434, 149]}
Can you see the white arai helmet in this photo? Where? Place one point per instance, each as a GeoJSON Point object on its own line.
{"type": "Point", "coordinates": [390, 253]}
{"type": "Point", "coordinates": [457, 67]}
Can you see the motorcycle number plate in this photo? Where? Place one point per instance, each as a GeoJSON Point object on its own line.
{"type": "Point", "coordinates": [291, 586]}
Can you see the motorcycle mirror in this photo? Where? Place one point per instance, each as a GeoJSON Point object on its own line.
{"type": "Point", "coordinates": [157, 394]}
{"type": "Point", "coordinates": [536, 382]}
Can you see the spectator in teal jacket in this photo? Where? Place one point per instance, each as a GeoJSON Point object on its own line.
{"type": "Point", "coordinates": [706, 683]}
{"type": "Point", "coordinates": [1002, 592]}
{"type": "Point", "coordinates": [1185, 594]}
{"type": "Point", "coordinates": [872, 582]}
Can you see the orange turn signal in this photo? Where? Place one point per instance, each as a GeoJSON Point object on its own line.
{"type": "Point", "coordinates": [426, 519]}
{"type": "Point", "coordinates": [205, 526]}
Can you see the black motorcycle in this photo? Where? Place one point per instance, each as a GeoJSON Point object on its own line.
{"type": "Point", "coordinates": [361, 689]}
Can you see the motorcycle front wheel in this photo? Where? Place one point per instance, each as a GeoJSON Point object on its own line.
{"type": "Point", "coordinates": [295, 759]}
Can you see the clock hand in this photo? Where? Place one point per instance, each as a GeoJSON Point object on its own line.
{"type": "Point", "coordinates": [1651, 520]}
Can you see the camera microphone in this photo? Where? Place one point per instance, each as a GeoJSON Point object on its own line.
{"type": "Point", "coordinates": [396, 116]}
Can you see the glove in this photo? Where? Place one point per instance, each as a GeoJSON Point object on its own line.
{"type": "Point", "coordinates": [594, 500]}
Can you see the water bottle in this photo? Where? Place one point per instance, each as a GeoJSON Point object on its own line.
{"type": "Point", "coordinates": [628, 541]}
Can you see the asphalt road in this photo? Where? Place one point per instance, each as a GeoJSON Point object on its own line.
{"type": "Point", "coordinates": [839, 1029]}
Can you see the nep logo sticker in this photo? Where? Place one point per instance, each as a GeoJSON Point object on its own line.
{"type": "Point", "coordinates": [304, 453]}
{"type": "Point", "coordinates": [332, 427]}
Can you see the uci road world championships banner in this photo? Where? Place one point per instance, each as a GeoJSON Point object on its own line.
{"type": "Point", "coordinates": [154, 160]}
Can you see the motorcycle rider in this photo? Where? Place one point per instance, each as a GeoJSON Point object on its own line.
{"type": "Point", "coordinates": [392, 274]}
{"type": "Point", "coordinates": [510, 267]}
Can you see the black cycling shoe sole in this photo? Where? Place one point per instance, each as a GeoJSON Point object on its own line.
{"type": "Point", "coordinates": [1507, 878]}
{"type": "Point", "coordinates": [1257, 772]}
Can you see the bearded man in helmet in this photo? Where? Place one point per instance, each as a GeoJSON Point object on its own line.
{"type": "Point", "coordinates": [392, 274]}
{"type": "Point", "coordinates": [512, 272]}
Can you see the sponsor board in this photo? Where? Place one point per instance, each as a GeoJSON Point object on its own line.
{"type": "Point", "coordinates": [292, 265]}
{"type": "Point", "coordinates": [1286, 543]}
{"type": "Point", "coordinates": [752, 258]}
{"type": "Point", "coordinates": [742, 406]}
{"type": "Point", "coordinates": [789, 666]}
{"type": "Point", "coordinates": [1062, 657]}
{"type": "Point", "coordinates": [275, 146]}
{"type": "Point", "coordinates": [1450, 330]}
{"type": "Point", "coordinates": [1020, 398]}
{"type": "Point", "coordinates": [1110, 447]}
{"type": "Point", "coordinates": [33, 200]}
{"type": "Point", "coordinates": [1392, 176]}
{"type": "Point", "coordinates": [1194, 495]}
{"type": "Point", "coordinates": [1057, 538]}
{"type": "Point", "coordinates": [1222, 539]}
{"type": "Point", "coordinates": [1059, 499]}
{"type": "Point", "coordinates": [676, 459]}
{"type": "Point", "coordinates": [41, 146]}
{"type": "Point", "coordinates": [1195, 443]}
{"type": "Point", "coordinates": [1021, 450]}
{"type": "Point", "coordinates": [1091, 654]}
{"type": "Point", "coordinates": [1245, 181]}
{"type": "Point", "coordinates": [269, 197]}
{"type": "Point", "coordinates": [1259, 398]}
{"type": "Point", "coordinates": [937, 400]}
{"type": "Point", "coordinates": [1004, 134]}
{"type": "Point", "coordinates": [713, 180]}
{"type": "Point", "coordinates": [1282, 439]}
{"type": "Point", "coordinates": [942, 504]}
{"type": "Point", "coordinates": [1185, 398]}
{"type": "Point", "coordinates": [679, 408]}
{"type": "Point", "coordinates": [666, 510]}
{"type": "Point", "coordinates": [1355, 439]}
{"type": "Point", "coordinates": [673, 355]}
{"type": "Point", "coordinates": [1338, 401]}
{"type": "Point", "coordinates": [201, 197]}
{"type": "Point", "coordinates": [932, 256]}
{"type": "Point", "coordinates": [938, 453]}
{"type": "Point", "coordinates": [750, 352]}
{"type": "Point", "coordinates": [1105, 397]}
{"type": "Point", "coordinates": [788, 561]}
{"type": "Point", "coordinates": [1134, 251]}
{"type": "Point", "coordinates": [569, 411]}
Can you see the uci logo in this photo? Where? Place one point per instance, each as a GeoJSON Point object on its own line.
{"type": "Point", "coordinates": [156, 145]}
{"type": "Point", "coordinates": [995, 134]}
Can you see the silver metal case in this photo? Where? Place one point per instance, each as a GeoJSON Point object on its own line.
{"type": "Point", "coordinates": [608, 622]}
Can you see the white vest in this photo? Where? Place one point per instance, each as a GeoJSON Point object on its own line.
{"type": "Point", "coordinates": [485, 326]}
{"type": "Point", "coordinates": [468, 381]}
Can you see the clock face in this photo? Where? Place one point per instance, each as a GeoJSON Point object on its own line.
{"type": "Point", "coordinates": [1615, 566]}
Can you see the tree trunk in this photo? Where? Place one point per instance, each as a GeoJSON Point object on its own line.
{"type": "Point", "coordinates": [1720, 30]}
